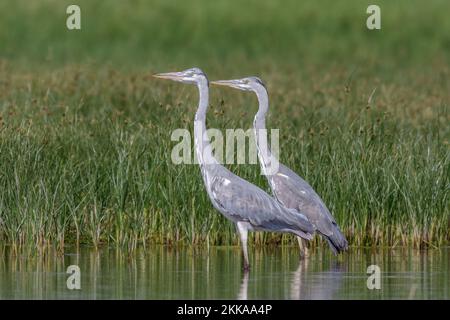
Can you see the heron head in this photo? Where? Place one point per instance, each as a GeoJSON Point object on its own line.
{"type": "Point", "coordinates": [245, 84]}
{"type": "Point", "coordinates": [192, 75]}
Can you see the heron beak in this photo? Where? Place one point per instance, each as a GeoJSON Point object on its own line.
{"type": "Point", "coordinates": [227, 83]}
{"type": "Point", "coordinates": [177, 76]}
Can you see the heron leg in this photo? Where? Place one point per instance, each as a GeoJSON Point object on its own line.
{"type": "Point", "coordinates": [243, 233]}
{"type": "Point", "coordinates": [304, 252]}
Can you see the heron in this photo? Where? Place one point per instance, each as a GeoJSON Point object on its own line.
{"type": "Point", "coordinates": [288, 187]}
{"type": "Point", "coordinates": [245, 204]}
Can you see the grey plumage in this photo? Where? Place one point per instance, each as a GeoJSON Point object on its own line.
{"type": "Point", "coordinates": [241, 201]}
{"type": "Point", "coordinates": [289, 188]}
{"type": "Point", "coordinates": [294, 192]}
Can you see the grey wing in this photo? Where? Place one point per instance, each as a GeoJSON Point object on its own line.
{"type": "Point", "coordinates": [294, 192]}
{"type": "Point", "coordinates": [243, 201]}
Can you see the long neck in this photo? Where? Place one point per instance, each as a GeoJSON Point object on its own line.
{"type": "Point", "coordinates": [201, 140]}
{"type": "Point", "coordinates": [264, 154]}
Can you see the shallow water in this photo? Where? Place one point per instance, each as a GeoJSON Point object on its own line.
{"type": "Point", "coordinates": [184, 273]}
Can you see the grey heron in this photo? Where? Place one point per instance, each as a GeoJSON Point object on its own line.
{"type": "Point", "coordinates": [290, 189]}
{"type": "Point", "coordinates": [238, 200]}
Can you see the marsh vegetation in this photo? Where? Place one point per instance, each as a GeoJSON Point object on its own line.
{"type": "Point", "coordinates": [85, 131]}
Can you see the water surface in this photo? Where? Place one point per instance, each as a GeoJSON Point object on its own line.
{"type": "Point", "coordinates": [184, 273]}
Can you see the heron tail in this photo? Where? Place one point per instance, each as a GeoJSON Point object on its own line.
{"type": "Point", "coordinates": [301, 234]}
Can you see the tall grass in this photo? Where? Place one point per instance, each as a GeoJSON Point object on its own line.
{"type": "Point", "coordinates": [95, 167]}
{"type": "Point", "coordinates": [85, 132]}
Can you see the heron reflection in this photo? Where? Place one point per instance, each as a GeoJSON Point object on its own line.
{"type": "Point", "coordinates": [306, 284]}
